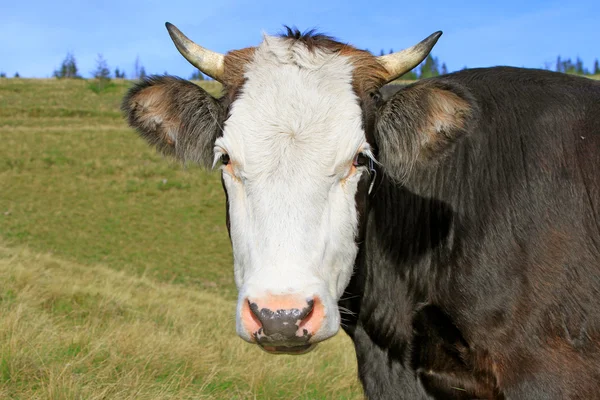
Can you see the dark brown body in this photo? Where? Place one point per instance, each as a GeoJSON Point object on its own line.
{"type": "Point", "coordinates": [479, 276]}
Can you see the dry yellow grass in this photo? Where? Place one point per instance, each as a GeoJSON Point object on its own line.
{"type": "Point", "coordinates": [68, 331]}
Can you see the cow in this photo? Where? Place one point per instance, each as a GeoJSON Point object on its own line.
{"type": "Point", "coordinates": [451, 227]}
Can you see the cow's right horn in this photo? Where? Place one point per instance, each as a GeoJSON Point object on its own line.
{"type": "Point", "coordinates": [209, 62]}
{"type": "Point", "coordinates": [400, 62]}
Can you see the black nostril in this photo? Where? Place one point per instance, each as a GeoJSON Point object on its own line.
{"type": "Point", "coordinates": [306, 310]}
{"type": "Point", "coordinates": [282, 324]}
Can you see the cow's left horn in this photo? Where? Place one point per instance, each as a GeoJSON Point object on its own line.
{"type": "Point", "coordinates": [400, 62]}
{"type": "Point", "coordinates": [209, 62]}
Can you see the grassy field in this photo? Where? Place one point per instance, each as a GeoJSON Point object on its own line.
{"type": "Point", "coordinates": [115, 266]}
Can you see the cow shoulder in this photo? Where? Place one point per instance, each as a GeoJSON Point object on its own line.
{"type": "Point", "coordinates": [421, 122]}
{"type": "Point", "coordinates": [176, 116]}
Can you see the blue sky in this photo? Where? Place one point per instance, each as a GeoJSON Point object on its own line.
{"type": "Point", "coordinates": [36, 35]}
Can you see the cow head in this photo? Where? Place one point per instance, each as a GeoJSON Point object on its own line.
{"type": "Point", "coordinates": [294, 137]}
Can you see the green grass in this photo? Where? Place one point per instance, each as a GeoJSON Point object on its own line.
{"type": "Point", "coordinates": [77, 182]}
{"type": "Point", "coordinates": [115, 265]}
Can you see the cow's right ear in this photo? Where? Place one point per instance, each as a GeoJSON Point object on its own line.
{"type": "Point", "coordinates": [176, 116]}
{"type": "Point", "coordinates": [421, 123]}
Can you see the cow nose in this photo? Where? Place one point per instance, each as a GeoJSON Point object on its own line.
{"type": "Point", "coordinates": [283, 321]}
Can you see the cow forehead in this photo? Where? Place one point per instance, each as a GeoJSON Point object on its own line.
{"type": "Point", "coordinates": [296, 104]}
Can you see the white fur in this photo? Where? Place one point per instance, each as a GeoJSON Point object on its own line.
{"type": "Point", "coordinates": [292, 135]}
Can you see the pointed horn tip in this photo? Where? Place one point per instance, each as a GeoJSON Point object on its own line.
{"type": "Point", "coordinates": [432, 39]}
{"type": "Point", "coordinates": [173, 30]}
{"type": "Point", "coordinates": [436, 35]}
{"type": "Point", "coordinates": [176, 35]}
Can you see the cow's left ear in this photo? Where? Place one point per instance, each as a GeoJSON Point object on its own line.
{"type": "Point", "coordinates": [421, 123]}
{"type": "Point", "coordinates": [176, 116]}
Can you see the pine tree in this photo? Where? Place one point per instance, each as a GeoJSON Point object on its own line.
{"type": "Point", "coordinates": [444, 69]}
{"type": "Point", "coordinates": [559, 65]}
{"type": "Point", "coordinates": [197, 76]}
{"type": "Point", "coordinates": [2, 74]}
{"type": "Point", "coordinates": [137, 66]}
{"type": "Point", "coordinates": [568, 67]}
{"type": "Point", "coordinates": [142, 73]}
{"type": "Point", "coordinates": [68, 68]}
{"type": "Point", "coordinates": [409, 76]}
{"type": "Point", "coordinates": [102, 72]}
{"type": "Point", "coordinates": [101, 75]}
{"type": "Point", "coordinates": [429, 67]}
{"type": "Point", "coordinates": [596, 67]}
{"type": "Point", "coordinates": [579, 67]}
{"type": "Point", "coordinates": [17, 75]}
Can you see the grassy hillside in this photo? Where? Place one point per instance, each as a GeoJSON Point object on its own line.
{"type": "Point", "coordinates": [115, 266]}
{"type": "Point", "coordinates": [78, 183]}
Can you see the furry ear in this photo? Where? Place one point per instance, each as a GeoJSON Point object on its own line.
{"type": "Point", "coordinates": [420, 124]}
{"type": "Point", "coordinates": [176, 116]}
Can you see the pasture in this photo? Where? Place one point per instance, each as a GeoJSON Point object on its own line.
{"type": "Point", "coordinates": [115, 266]}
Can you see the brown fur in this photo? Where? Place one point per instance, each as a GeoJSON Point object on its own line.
{"type": "Point", "coordinates": [369, 75]}
{"type": "Point", "coordinates": [151, 111]}
{"type": "Point", "coordinates": [235, 64]}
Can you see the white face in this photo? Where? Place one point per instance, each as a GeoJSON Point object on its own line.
{"type": "Point", "coordinates": [292, 135]}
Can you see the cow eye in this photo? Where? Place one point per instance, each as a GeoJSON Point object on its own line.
{"type": "Point", "coordinates": [360, 160]}
{"type": "Point", "coordinates": [225, 159]}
